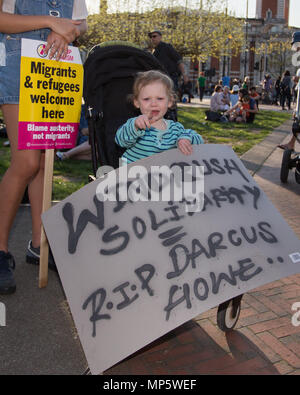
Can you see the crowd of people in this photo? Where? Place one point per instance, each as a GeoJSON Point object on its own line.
{"type": "Point", "coordinates": [240, 104]}
{"type": "Point", "coordinates": [281, 92]}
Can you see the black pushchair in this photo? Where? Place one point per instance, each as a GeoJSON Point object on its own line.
{"type": "Point", "coordinates": [109, 75]}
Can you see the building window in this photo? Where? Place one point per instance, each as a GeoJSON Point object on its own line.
{"type": "Point", "coordinates": [268, 14]}
{"type": "Point", "coordinates": [280, 9]}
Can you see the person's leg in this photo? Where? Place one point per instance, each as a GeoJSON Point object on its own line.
{"type": "Point", "coordinates": [35, 193]}
{"type": "Point", "coordinates": [79, 149]}
{"type": "Point", "coordinates": [201, 93]}
{"type": "Point", "coordinates": [289, 100]}
{"type": "Point", "coordinates": [24, 166]}
{"type": "Point", "coordinates": [283, 101]}
{"type": "Point", "coordinates": [289, 145]}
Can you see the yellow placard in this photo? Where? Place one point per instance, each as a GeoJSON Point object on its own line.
{"type": "Point", "coordinates": [50, 98]}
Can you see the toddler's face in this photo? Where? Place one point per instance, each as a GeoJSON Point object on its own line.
{"type": "Point", "coordinates": [153, 101]}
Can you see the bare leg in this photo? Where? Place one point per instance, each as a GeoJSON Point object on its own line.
{"type": "Point", "coordinates": [24, 166]}
{"type": "Point", "coordinates": [79, 149]}
{"type": "Point", "coordinates": [35, 192]}
{"type": "Point", "coordinates": [289, 145]}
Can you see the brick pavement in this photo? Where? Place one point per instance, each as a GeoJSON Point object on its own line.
{"type": "Point", "coordinates": [264, 340]}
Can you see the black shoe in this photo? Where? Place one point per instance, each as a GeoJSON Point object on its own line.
{"type": "Point", "coordinates": [7, 266]}
{"type": "Point", "coordinates": [33, 257]}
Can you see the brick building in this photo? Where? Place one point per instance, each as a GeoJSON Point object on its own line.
{"type": "Point", "coordinates": [271, 20]}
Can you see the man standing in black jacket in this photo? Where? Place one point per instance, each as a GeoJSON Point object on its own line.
{"type": "Point", "coordinates": [168, 57]}
{"type": "Point", "coordinates": [172, 62]}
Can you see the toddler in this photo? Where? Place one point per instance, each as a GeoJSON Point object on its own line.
{"type": "Point", "coordinates": [254, 95]}
{"type": "Point", "coordinates": [245, 106]}
{"type": "Point", "coordinates": [150, 133]}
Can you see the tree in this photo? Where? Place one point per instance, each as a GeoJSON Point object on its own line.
{"type": "Point", "coordinates": [198, 29]}
{"type": "Point", "coordinates": [275, 51]}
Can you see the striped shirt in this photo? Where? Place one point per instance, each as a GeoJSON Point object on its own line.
{"type": "Point", "coordinates": [143, 143]}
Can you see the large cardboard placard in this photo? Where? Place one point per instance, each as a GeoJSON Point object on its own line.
{"type": "Point", "coordinates": [132, 271]}
{"type": "Point", "coordinates": [50, 98]}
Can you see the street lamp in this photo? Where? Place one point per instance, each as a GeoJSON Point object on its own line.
{"type": "Point", "coordinates": [225, 58]}
{"type": "Point", "coordinates": [246, 46]}
{"type": "Point", "coordinates": [225, 44]}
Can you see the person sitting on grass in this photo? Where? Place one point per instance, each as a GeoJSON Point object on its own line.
{"type": "Point", "coordinates": [83, 148]}
{"type": "Point", "coordinates": [150, 133]}
{"type": "Point", "coordinates": [216, 102]}
{"type": "Point", "coordinates": [234, 95]}
{"type": "Point", "coordinates": [234, 113]}
{"type": "Point", "coordinates": [244, 108]}
{"type": "Point", "coordinates": [254, 95]}
{"type": "Point", "coordinates": [81, 151]}
{"type": "Point", "coordinates": [225, 96]}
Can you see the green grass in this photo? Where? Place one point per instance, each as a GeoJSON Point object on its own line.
{"type": "Point", "coordinates": [240, 136]}
{"type": "Point", "coordinates": [71, 175]}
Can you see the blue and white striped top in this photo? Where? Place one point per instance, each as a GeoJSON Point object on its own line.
{"type": "Point", "coordinates": [143, 143]}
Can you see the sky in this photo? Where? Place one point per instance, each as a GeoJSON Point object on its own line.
{"type": "Point", "coordinates": [235, 6]}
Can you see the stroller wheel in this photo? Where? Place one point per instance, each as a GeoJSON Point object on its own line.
{"type": "Point", "coordinates": [297, 175]}
{"type": "Point", "coordinates": [285, 165]}
{"type": "Point", "coordinates": [228, 314]}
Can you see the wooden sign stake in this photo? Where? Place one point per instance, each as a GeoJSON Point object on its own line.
{"type": "Point", "coordinates": [47, 197]}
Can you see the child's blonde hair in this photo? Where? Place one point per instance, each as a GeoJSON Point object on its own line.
{"type": "Point", "coordinates": [148, 77]}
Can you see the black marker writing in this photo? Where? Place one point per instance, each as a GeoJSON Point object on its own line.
{"type": "Point", "coordinates": [202, 286]}
{"type": "Point", "coordinates": [125, 290]}
{"type": "Point", "coordinates": [84, 218]}
{"type": "Point", "coordinates": [182, 257]}
{"type": "Point", "coordinates": [96, 307]}
{"type": "Point", "coordinates": [126, 299]}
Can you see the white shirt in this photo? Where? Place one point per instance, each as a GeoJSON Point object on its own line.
{"type": "Point", "coordinates": [79, 8]}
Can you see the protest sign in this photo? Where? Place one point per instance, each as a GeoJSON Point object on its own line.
{"type": "Point", "coordinates": [50, 98]}
{"type": "Point", "coordinates": [134, 270]}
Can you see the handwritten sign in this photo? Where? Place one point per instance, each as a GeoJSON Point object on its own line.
{"type": "Point", "coordinates": [132, 271]}
{"type": "Point", "coordinates": [50, 98]}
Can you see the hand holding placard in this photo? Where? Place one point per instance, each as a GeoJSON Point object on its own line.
{"type": "Point", "coordinates": [50, 107]}
{"type": "Point", "coordinates": [50, 98]}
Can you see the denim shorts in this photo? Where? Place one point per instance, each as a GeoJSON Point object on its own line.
{"type": "Point", "coordinates": [10, 51]}
{"type": "Point", "coordinates": [10, 78]}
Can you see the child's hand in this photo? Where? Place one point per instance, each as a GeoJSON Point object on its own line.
{"type": "Point", "coordinates": [185, 146]}
{"type": "Point", "coordinates": [142, 122]}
